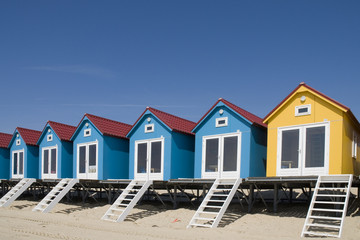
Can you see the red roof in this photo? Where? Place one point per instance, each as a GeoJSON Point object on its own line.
{"type": "Point", "coordinates": [109, 127]}
{"type": "Point", "coordinates": [5, 140]}
{"type": "Point", "coordinates": [63, 131]}
{"type": "Point", "coordinates": [247, 115]}
{"type": "Point", "coordinates": [311, 89]}
{"type": "Point", "coordinates": [29, 136]}
{"type": "Point", "coordinates": [175, 123]}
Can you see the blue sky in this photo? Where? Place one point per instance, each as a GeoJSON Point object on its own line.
{"type": "Point", "coordinates": [61, 59]}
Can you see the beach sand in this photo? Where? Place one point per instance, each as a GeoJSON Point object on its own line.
{"type": "Point", "coordinates": [151, 220]}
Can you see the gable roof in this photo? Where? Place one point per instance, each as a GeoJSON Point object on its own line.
{"type": "Point", "coordinates": [253, 119]}
{"type": "Point", "coordinates": [63, 131]}
{"type": "Point", "coordinates": [5, 140]}
{"type": "Point", "coordinates": [29, 136]}
{"type": "Point", "coordinates": [175, 123]}
{"type": "Point", "coordinates": [107, 127]}
{"type": "Point", "coordinates": [321, 95]}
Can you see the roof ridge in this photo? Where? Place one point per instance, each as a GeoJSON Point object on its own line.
{"type": "Point", "coordinates": [27, 129]}
{"type": "Point", "coordinates": [6, 134]}
{"type": "Point", "coordinates": [63, 124]}
{"type": "Point", "coordinates": [107, 119]}
{"type": "Point", "coordinates": [150, 108]}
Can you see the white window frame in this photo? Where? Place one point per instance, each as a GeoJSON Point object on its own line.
{"type": "Point", "coordinates": [220, 173]}
{"type": "Point", "coordinates": [354, 145]}
{"type": "Point", "coordinates": [301, 170]}
{"type": "Point", "coordinates": [87, 175]}
{"type": "Point", "coordinates": [152, 128]}
{"type": "Point", "coordinates": [49, 138]}
{"type": "Point", "coordinates": [217, 120]}
{"type": "Point", "coordinates": [49, 175]}
{"type": "Point", "coordinates": [18, 142]}
{"type": "Point", "coordinates": [308, 106]}
{"type": "Point", "coordinates": [12, 164]}
{"type": "Point", "coordinates": [87, 134]}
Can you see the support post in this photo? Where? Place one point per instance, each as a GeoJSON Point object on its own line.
{"type": "Point", "coordinates": [291, 195]}
{"type": "Point", "coordinates": [251, 197]}
{"type": "Point", "coordinates": [175, 204]}
{"type": "Point", "coordinates": [276, 193]}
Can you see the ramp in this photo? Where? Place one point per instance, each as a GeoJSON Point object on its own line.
{"type": "Point", "coordinates": [126, 201]}
{"type": "Point", "coordinates": [328, 206]}
{"type": "Point", "coordinates": [215, 203]}
{"type": "Point", "coordinates": [16, 191]}
{"type": "Point", "coordinates": [55, 195]}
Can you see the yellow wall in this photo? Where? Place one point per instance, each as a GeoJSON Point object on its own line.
{"type": "Point", "coordinates": [350, 165]}
{"type": "Point", "coordinates": [321, 110]}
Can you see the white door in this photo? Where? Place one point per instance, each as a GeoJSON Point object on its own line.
{"type": "Point", "coordinates": [18, 164]}
{"type": "Point", "coordinates": [221, 156]}
{"type": "Point", "coordinates": [149, 159]}
{"type": "Point", "coordinates": [49, 162]}
{"type": "Point", "coordinates": [303, 150]}
{"type": "Point", "coordinates": [87, 160]}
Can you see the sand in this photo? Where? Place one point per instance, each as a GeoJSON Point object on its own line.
{"type": "Point", "coordinates": [150, 220]}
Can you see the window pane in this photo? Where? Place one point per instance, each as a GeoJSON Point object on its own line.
{"type": "Point", "coordinates": [315, 147]}
{"type": "Point", "coordinates": [53, 161]}
{"type": "Point", "coordinates": [15, 162]}
{"type": "Point", "coordinates": [46, 161]}
{"type": "Point", "coordinates": [211, 155]}
{"type": "Point", "coordinates": [21, 163]}
{"type": "Point", "coordinates": [141, 157]}
{"type": "Point", "coordinates": [82, 157]}
{"type": "Point", "coordinates": [92, 158]}
{"type": "Point", "coordinates": [155, 157]}
{"type": "Point", "coordinates": [230, 153]}
{"type": "Point", "coordinates": [289, 149]}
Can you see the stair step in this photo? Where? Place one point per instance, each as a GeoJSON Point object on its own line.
{"type": "Point", "coordinates": [325, 217]}
{"type": "Point", "coordinates": [207, 206]}
{"type": "Point", "coordinates": [322, 225]}
{"type": "Point", "coordinates": [329, 195]}
{"type": "Point", "coordinates": [215, 201]}
{"type": "Point", "coordinates": [206, 219]}
{"type": "Point", "coordinates": [201, 225]}
{"type": "Point", "coordinates": [321, 234]}
{"type": "Point", "coordinates": [331, 188]}
{"type": "Point", "coordinates": [327, 210]}
{"type": "Point", "coordinates": [329, 202]}
{"type": "Point", "coordinates": [206, 212]}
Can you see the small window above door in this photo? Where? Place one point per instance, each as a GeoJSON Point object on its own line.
{"type": "Point", "coordinates": [87, 132]}
{"type": "Point", "coordinates": [149, 128]}
{"type": "Point", "coordinates": [303, 110]}
{"type": "Point", "coordinates": [221, 122]}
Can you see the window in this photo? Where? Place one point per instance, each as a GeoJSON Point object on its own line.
{"type": "Point", "coordinates": [149, 128]}
{"type": "Point", "coordinates": [303, 110]}
{"type": "Point", "coordinates": [49, 137]}
{"type": "Point", "coordinates": [354, 145]}
{"type": "Point", "coordinates": [87, 132]}
{"type": "Point", "coordinates": [221, 122]}
{"type": "Point", "coordinates": [18, 142]}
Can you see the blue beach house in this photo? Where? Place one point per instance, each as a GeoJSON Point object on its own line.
{"type": "Point", "coordinates": [230, 143]}
{"type": "Point", "coordinates": [161, 147]}
{"type": "Point", "coordinates": [55, 151]}
{"type": "Point", "coordinates": [4, 155]}
{"type": "Point", "coordinates": [101, 149]}
{"type": "Point", "coordinates": [24, 153]}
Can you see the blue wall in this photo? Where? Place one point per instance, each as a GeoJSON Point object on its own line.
{"type": "Point", "coordinates": [235, 123]}
{"type": "Point", "coordinates": [258, 152]}
{"type": "Point", "coordinates": [31, 157]}
{"type": "Point", "coordinates": [116, 155]}
{"type": "Point", "coordinates": [4, 163]}
{"type": "Point", "coordinates": [64, 151]}
{"type": "Point", "coordinates": [182, 155]}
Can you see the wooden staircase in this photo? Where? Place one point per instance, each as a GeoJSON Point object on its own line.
{"type": "Point", "coordinates": [215, 203]}
{"type": "Point", "coordinates": [328, 206]}
{"type": "Point", "coordinates": [55, 195]}
{"type": "Point", "coordinates": [16, 191]}
{"type": "Point", "coordinates": [126, 201]}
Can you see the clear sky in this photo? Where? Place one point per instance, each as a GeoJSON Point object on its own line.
{"type": "Point", "coordinates": [61, 59]}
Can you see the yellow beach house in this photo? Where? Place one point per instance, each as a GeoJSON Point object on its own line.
{"type": "Point", "coordinates": [311, 134]}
